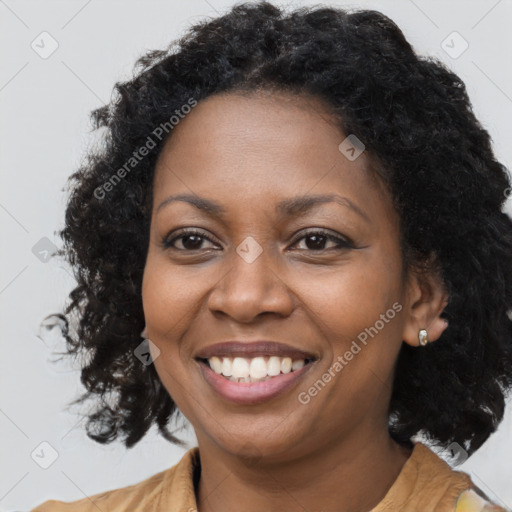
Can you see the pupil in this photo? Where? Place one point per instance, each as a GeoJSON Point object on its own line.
{"type": "Point", "coordinates": [194, 246]}
{"type": "Point", "coordinates": [320, 240]}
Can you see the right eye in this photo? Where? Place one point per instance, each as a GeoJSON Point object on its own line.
{"type": "Point", "coordinates": [191, 240]}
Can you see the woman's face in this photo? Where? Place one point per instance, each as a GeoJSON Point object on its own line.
{"type": "Point", "coordinates": [259, 272]}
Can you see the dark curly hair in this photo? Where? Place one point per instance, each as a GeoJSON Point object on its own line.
{"type": "Point", "coordinates": [417, 123]}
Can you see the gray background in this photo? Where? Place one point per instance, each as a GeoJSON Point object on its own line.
{"type": "Point", "coordinates": [44, 126]}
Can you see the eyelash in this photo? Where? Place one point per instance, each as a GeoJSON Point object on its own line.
{"type": "Point", "coordinates": [343, 243]}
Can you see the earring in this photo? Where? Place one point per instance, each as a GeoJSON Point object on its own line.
{"type": "Point", "coordinates": [423, 337]}
{"type": "Point", "coordinates": [144, 333]}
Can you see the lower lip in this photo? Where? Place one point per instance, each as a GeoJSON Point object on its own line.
{"type": "Point", "coordinates": [249, 393]}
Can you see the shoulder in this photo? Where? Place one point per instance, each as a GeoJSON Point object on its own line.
{"type": "Point", "coordinates": [429, 484]}
{"type": "Point", "coordinates": [458, 491]}
{"type": "Point", "coordinates": [144, 495]}
{"type": "Point", "coordinates": [126, 498]}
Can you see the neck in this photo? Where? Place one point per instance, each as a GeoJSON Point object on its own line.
{"type": "Point", "coordinates": [353, 475]}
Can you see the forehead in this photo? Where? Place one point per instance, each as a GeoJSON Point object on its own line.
{"type": "Point", "coordinates": [257, 147]}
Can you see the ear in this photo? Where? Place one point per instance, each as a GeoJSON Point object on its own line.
{"type": "Point", "coordinates": [426, 299]}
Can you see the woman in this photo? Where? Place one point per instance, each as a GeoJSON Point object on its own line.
{"type": "Point", "coordinates": [304, 219]}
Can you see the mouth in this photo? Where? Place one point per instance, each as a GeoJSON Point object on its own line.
{"type": "Point", "coordinates": [256, 369]}
{"type": "Point", "coordinates": [251, 373]}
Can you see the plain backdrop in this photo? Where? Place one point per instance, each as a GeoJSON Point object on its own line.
{"type": "Point", "coordinates": [45, 101]}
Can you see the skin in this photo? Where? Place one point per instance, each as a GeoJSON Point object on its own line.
{"type": "Point", "coordinates": [248, 152]}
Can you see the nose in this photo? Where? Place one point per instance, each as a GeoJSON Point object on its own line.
{"type": "Point", "coordinates": [251, 288]}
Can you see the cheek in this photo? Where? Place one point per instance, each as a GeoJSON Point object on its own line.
{"type": "Point", "coordinates": [357, 311]}
{"type": "Point", "coordinates": [350, 298]}
{"type": "Point", "coordinates": [170, 296]}
{"type": "Point", "coordinates": [165, 304]}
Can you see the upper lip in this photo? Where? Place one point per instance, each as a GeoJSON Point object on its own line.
{"type": "Point", "coordinates": [251, 349]}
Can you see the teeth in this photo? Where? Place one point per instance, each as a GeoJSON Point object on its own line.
{"type": "Point", "coordinates": [216, 364]}
{"type": "Point", "coordinates": [297, 364]}
{"type": "Point", "coordinates": [241, 369]}
{"type": "Point", "coordinates": [227, 367]}
{"type": "Point", "coordinates": [258, 368]}
{"type": "Point", "coordinates": [286, 365]}
{"type": "Point", "coordinates": [274, 366]}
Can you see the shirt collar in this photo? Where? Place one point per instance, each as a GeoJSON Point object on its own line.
{"type": "Point", "coordinates": [178, 486]}
{"type": "Point", "coordinates": [424, 476]}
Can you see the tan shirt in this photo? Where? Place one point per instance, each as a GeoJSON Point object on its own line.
{"type": "Point", "coordinates": [425, 484]}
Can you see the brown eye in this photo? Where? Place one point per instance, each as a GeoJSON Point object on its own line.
{"type": "Point", "coordinates": [316, 240]}
{"type": "Point", "coordinates": [191, 240]}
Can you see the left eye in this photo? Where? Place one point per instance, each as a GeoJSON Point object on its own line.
{"type": "Point", "coordinates": [320, 238]}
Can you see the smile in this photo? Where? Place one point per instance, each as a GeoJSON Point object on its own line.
{"type": "Point", "coordinates": [256, 369]}
{"type": "Point", "coordinates": [245, 381]}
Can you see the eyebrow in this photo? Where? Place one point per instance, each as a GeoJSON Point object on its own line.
{"type": "Point", "coordinates": [289, 207]}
